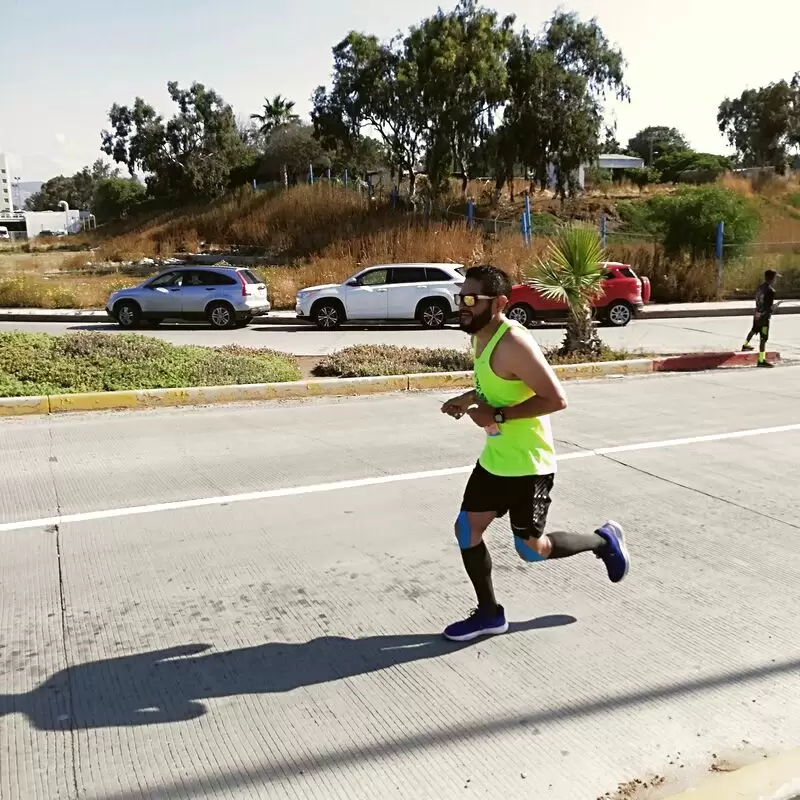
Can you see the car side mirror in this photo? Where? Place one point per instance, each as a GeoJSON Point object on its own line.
{"type": "Point", "coordinates": [352, 282]}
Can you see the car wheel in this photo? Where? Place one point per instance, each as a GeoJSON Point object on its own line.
{"type": "Point", "coordinates": [128, 314]}
{"type": "Point", "coordinates": [521, 313]}
{"type": "Point", "coordinates": [328, 315]}
{"type": "Point", "coordinates": [619, 314]}
{"type": "Point", "coordinates": [221, 315]}
{"type": "Point", "coordinates": [433, 314]}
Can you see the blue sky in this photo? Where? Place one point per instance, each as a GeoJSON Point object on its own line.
{"type": "Point", "coordinates": [65, 63]}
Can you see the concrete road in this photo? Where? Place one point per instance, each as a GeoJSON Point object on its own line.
{"type": "Point", "coordinates": [662, 336]}
{"type": "Point", "coordinates": [164, 634]}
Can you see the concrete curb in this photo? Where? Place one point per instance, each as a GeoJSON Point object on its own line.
{"type": "Point", "coordinates": [776, 778]}
{"type": "Point", "coordinates": [689, 313]}
{"type": "Point", "coordinates": [346, 387]}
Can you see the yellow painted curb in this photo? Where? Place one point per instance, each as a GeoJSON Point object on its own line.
{"type": "Point", "coordinates": [634, 366]}
{"type": "Point", "coordinates": [22, 406]}
{"type": "Point", "coordinates": [776, 778]}
{"type": "Point", "coordinates": [296, 390]}
{"type": "Point", "coordinates": [440, 380]}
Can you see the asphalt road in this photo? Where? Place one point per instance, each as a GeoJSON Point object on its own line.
{"type": "Point", "coordinates": [165, 634]}
{"type": "Point", "coordinates": [662, 336]}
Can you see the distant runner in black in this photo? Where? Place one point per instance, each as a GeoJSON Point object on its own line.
{"type": "Point", "coordinates": [765, 304]}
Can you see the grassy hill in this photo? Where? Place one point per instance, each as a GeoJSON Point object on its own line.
{"type": "Point", "coordinates": [322, 233]}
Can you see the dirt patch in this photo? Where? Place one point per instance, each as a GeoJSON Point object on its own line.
{"type": "Point", "coordinates": [307, 364]}
{"type": "Point", "coordinates": [636, 789]}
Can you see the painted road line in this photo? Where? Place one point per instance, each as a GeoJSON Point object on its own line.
{"type": "Point", "coordinates": [359, 483]}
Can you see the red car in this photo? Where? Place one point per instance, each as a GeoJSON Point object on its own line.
{"type": "Point", "coordinates": [624, 293]}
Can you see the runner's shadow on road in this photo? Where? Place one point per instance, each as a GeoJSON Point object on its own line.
{"type": "Point", "coordinates": [170, 685]}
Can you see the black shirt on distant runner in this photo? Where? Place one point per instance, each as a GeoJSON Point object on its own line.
{"type": "Point", "coordinates": [765, 296]}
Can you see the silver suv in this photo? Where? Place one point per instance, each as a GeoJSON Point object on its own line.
{"type": "Point", "coordinates": [226, 297]}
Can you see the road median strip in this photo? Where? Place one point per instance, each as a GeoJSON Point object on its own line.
{"type": "Point", "coordinates": [348, 387]}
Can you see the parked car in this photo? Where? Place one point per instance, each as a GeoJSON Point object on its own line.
{"type": "Point", "coordinates": [624, 294]}
{"type": "Point", "coordinates": [4, 234]}
{"type": "Point", "coordinates": [421, 292]}
{"type": "Point", "coordinates": [226, 297]}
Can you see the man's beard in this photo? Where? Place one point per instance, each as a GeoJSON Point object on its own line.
{"type": "Point", "coordinates": [472, 323]}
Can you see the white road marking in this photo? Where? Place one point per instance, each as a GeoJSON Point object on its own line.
{"type": "Point", "coordinates": [358, 483]}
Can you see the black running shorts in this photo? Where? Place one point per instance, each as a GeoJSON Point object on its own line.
{"type": "Point", "coordinates": [526, 499]}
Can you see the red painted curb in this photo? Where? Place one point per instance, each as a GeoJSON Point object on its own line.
{"type": "Point", "coordinates": [699, 361]}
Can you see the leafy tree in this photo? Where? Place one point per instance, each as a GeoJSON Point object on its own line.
{"type": "Point", "coordinates": [277, 112]}
{"type": "Point", "coordinates": [688, 219]}
{"type": "Point", "coordinates": [115, 197]}
{"type": "Point", "coordinates": [571, 272]}
{"type": "Point", "coordinates": [763, 125]}
{"type": "Point", "coordinates": [656, 141]}
{"type": "Point", "coordinates": [610, 143]}
{"type": "Point", "coordinates": [675, 166]}
{"type": "Point", "coordinates": [458, 58]}
{"type": "Point", "coordinates": [373, 88]}
{"type": "Point", "coordinates": [558, 82]}
{"type": "Point", "coordinates": [190, 156]}
{"type": "Point", "coordinates": [295, 148]}
{"type": "Point", "coordinates": [77, 190]}
{"type": "Point", "coordinates": [643, 177]}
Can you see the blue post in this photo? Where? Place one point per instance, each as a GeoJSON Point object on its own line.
{"type": "Point", "coordinates": [311, 174]}
{"type": "Point", "coordinates": [720, 248]}
{"type": "Point", "coordinates": [329, 174]}
{"type": "Point", "coordinates": [528, 217]}
{"type": "Point", "coordinates": [603, 223]}
{"type": "Point", "coordinates": [345, 179]}
{"type": "Point", "coordinates": [254, 185]}
{"type": "Point", "coordinates": [470, 213]}
{"type": "Point", "coordinates": [720, 239]}
{"type": "Point", "coordinates": [523, 225]}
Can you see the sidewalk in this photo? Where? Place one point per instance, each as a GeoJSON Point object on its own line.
{"type": "Point", "coordinates": [735, 308]}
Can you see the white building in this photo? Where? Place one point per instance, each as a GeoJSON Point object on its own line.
{"type": "Point", "coordinates": [57, 222]}
{"type": "Point", "coordinates": [610, 161]}
{"type": "Point", "coordinates": [6, 196]}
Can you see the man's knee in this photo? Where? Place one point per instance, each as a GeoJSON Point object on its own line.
{"type": "Point", "coordinates": [469, 532]}
{"type": "Point", "coordinates": [525, 544]}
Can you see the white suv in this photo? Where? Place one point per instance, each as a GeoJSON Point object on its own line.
{"type": "Point", "coordinates": [422, 292]}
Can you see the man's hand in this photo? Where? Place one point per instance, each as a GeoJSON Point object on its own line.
{"type": "Point", "coordinates": [458, 406]}
{"type": "Point", "coordinates": [481, 414]}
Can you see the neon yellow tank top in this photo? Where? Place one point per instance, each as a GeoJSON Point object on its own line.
{"type": "Point", "coordinates": [520, 446]}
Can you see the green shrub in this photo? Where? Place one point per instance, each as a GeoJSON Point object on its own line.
{"type": "Point", "coordinates": [688, 220]}
{"type": "Point", "coordinates": [365, 360]}
{"type": "Point", "coordinates": [643, 177]}
{"type": "Point", "coordinates": [672, 165]}
{"type": "Point", "coordinates": [34, 364]}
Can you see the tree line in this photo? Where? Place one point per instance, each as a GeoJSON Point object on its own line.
{"type": "Point", "coordinates": [461, 94]}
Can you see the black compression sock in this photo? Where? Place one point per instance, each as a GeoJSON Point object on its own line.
{"type": "Point", "coordinates": [570, 544]}
{"type": "Point", "coordinates": [478, 564]}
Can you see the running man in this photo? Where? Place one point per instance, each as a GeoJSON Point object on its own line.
{"type": "Point", "coordinates": [515, 392]}
{"type": "Point", "coordinates": [765, 305]}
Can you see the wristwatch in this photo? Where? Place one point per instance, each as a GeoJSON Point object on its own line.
{"type": "Point", "coordinates": [499, 416]}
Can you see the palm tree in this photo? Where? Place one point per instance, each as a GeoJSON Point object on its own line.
{"type": "Point", "coordinates": [572, 272]}
{"type": "Point", "coordinates": [277, 112]}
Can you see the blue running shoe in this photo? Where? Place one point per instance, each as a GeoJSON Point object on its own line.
{"type": "Point", "coordinates": [614, 555]}
{"type": "Point", "coordinates": [478, 623]}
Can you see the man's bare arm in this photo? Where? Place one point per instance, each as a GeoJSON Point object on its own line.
{"type": "Point", "coordinates": [531, 367]}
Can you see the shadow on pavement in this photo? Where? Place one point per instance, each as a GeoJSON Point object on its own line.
{"type": "Point", "coordinates": [339, 756]}
{"type": "Point", "coordinates": [169, 685]}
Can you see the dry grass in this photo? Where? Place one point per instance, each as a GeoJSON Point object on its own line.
{"type": "Point", "coordinates": [321, 234]}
